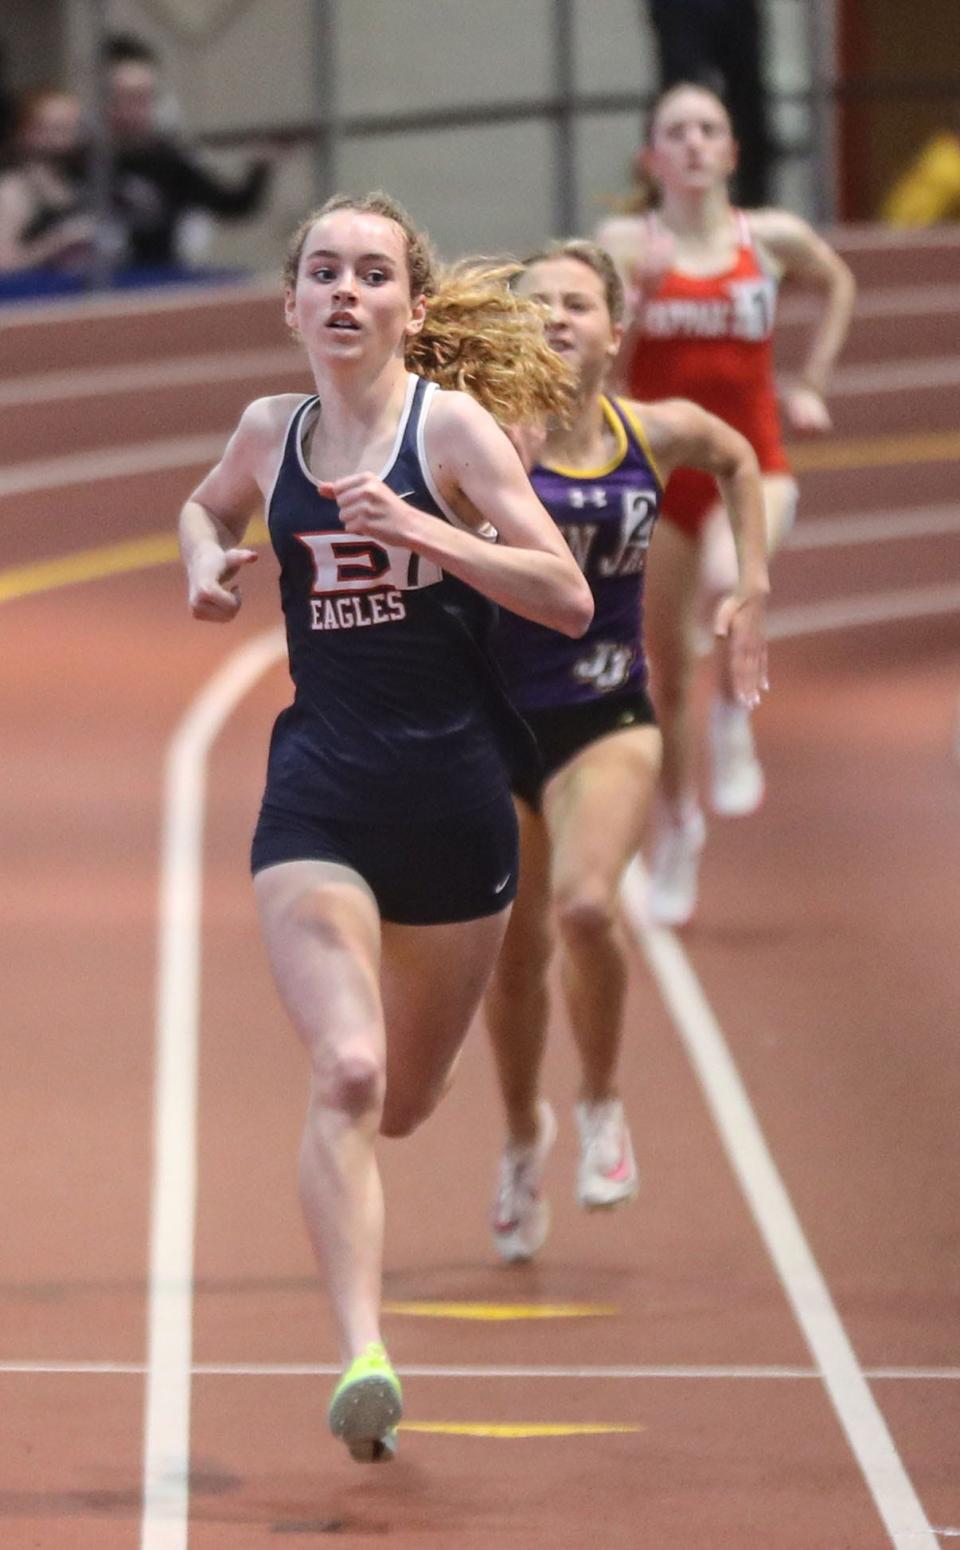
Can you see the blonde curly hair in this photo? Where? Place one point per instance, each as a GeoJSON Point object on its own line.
{"type": "Point", "coordinates": [478, 335]}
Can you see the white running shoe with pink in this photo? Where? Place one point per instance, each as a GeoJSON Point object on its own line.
{"type": "Point", "coordinates": [521, 1215]}
{"type": "Point", "coordinates": [607, 1175]}
{"type": "Point", "coordinates": [675, 867]}
{"type": "Point", "coordinates": [738, 785]}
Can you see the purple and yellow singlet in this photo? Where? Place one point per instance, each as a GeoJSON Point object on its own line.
{"type": "Point", "coordinates": [606, 516]}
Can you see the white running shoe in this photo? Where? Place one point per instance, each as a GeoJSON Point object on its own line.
{"type": "Point", "coordinates": [521, 1216]}
{"type": "Point", "coordinates": [675, 868]}
{"type": "Point", "coordinates": [738, 783]}
{"type": "Point", "coordinates": [607, 1174]}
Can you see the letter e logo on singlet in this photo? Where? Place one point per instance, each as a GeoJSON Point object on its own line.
{"type": "Point", "coordinates": [345, 563]}
{"type": "Point", "coordinates": [360, 563]}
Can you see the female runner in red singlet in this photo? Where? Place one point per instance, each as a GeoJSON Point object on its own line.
{"type": "Point", "coordinates": [703, 281]}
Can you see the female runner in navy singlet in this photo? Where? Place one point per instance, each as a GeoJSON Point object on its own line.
{"type": "Point", "coordinates": [385, 855]}
{"type": "Point", "coordinates": [600, 476]}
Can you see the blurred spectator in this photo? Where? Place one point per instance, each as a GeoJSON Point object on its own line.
{"type": "Point", "coordinates": [157, 181]}
{"type": "Point", "coordinates": [45, 218]}
{"type": "Point", "coordinates": [929, 190]}
{"type": "Point", "coordinates": [126, 47]}
{"type": "Point", "coordinates": [719, 44]}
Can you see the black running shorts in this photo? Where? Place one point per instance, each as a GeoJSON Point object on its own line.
{"type": "Point", "coordinates": [422, 873]}
{"type": "Point", "coordinates": [562, 731]}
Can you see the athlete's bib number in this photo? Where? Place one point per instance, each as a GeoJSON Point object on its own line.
{"type": "Point", "coordinates": [753, 307]}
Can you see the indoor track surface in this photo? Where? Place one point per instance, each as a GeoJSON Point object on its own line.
{"type": "Point", "coordinates": [763, 1351]}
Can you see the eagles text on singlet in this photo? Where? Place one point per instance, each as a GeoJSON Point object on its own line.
{"type": "Point", "coordinates": [350, 613]}
{"type": "Point", "coordinates": [357, 582]}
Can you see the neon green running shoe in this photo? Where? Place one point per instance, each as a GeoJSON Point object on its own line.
{"type": "Point", "coordinates": [366, 1406]}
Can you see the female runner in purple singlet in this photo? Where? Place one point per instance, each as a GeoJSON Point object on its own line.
{"type": "Point", "coordinates": [600, 475]}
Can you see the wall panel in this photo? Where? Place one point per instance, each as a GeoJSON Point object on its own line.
{"type": "Point", "coordinates": [476, 190]}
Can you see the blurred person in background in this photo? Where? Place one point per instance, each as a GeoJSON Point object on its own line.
{"type": "Point", "coordinates": [128, 48]}
{"type": "Point", "coordinates": [46, 222]}
{"type": "Point", "coordinates": [928, 191]}
{"type": "Point", "coordinates": [702, 280]}
{"type": "Point", "coordinates": [158, 183]}
{"type": "Point", "coordinates": [720, 44]}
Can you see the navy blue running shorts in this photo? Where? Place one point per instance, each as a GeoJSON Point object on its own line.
{"type": "Point", "coordinates": [563, 731]}
{"type": "Point", "coordinates": [425, 873]}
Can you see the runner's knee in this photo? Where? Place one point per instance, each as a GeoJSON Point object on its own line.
{"type": "Point", "coordinates": [351, 1083]}
{"type": "Point", "coordinates": [585, 913]}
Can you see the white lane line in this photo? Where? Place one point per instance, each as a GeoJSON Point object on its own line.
{"type": "Point", "coordinates": [125, 304]}
{"type": "Point", "coordinates": [899, 301]}
{"type": "Point", "coordinates": [56, 473]}
{"type": "Point", "coordinates": [170, 1297]}
{"type": "Point", "coordinates": [83, 1369]}
{"type": "Point", "coordinates": [166, 1458]}
{"type": "Point", "coordinates": [779, 1227]}
{"type": "Point", "coordinates": [179, 371]}
{"type": "Point", "coordinates": [918, 372]}
{"type": "Point", "coordinates": [480, 1370]}
{"type": "Point", "coordinates": [901, 377]}
{"type": "Point", "coordinates": [866, 527]}
{"type": "Point", "coordinates": [95, 464]}
{"type": "Point", "coordinates": [873, 608]}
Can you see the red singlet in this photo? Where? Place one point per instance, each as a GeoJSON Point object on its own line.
{"type": "Point", "coordinates": [709, 339]}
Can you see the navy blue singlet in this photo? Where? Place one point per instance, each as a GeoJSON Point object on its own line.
{"type": "Point", "coordinates": [398, 711]}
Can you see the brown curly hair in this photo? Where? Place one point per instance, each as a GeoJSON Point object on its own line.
{"type": "Point", "coordinates": [478, 336]}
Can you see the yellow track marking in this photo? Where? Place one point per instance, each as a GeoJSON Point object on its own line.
{"type": "Point", "coordinates": [132, 554]}
{"type": "Point", "coordinates": [501, 1312]}
{"type": "Point", "coordinates": [875, 451]}
{"type": "Point", "coordinates": [511, 1430]}
{"type": "Point", "coordinates": [161, 549]}
{"type": "Point", "coordinates": [87, 565]}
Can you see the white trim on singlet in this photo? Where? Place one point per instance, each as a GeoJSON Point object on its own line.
{"type": "Point", "coordinates": [397, 440]}
{"type": "Point", "coordinates": [298, 409]}
{"type": "Point", "coordinates": [764, 262]}
{"type": "Point", "coordinates": [402, 425]}
{"type": "Point", "coordinates": [487, 531]}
